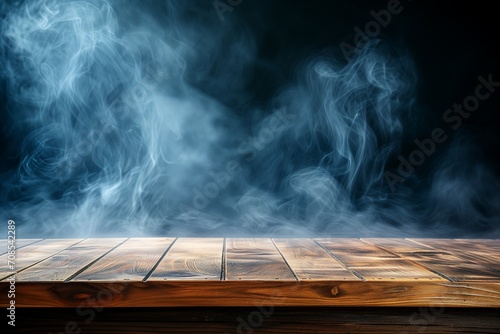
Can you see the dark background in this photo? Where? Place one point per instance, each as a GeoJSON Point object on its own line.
{"type": "Point", "coordinates": [451, 44]}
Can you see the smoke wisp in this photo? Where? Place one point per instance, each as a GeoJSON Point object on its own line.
{"type": "Point", "coordinates": [123, 122]}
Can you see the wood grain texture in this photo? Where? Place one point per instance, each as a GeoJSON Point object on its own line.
{"type": "Point", "coordinates": [255, 259]}
{"type": "Point", "coordinates": [130, 261]}
{"type": "Point", "coordinates": [257, 272]}
{"type": "Point", "coordinates": [63, 265]}
{"type": "Point", "coordinates": [485, 252]}
{"type": "Point", "coordinates": [311, 262]}
{"type": "Point", "coordinates": [20, 243]}
{"type": "Point", "coordinates": [446, 263]}
{"type": "Point", "coordinates": [191, 259]}
{"type": "Point", "coordinates": [373, 263]}
{"type": "Point", "coordinates": [416, 293]}
{"type": "Point", "coordinates": [34, 253]}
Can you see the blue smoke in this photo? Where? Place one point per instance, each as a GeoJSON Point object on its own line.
{"type": "Point", "coordinates": [127, 129]}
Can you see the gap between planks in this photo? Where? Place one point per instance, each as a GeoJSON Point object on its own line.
{"type": "Point", "coordinates": [411, 261]}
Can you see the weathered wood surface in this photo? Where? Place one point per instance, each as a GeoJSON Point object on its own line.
{"type": "Point", "coordinates": [130, 261]}
{"type": "Point", "coordinates": [255, 259]}
{"type": "Point", "coordinates": [67, 263]}
{"type": "Point", "coordinates": [486, 252]}
{"type": "Point", "coordinates": [18, 244]}
{"type": "Point", "coordinates": [311, 262]}
{"type": "Point", "coordinates": [143, 272]}
{"type": "Point", "coordinates": [372, 263]}
{"type": "Point", "coordinates": [34, 253]}
{"type": "Point", "coordinates": [191, 259]}
{"type": "Point", "coordinates": [446, 263]}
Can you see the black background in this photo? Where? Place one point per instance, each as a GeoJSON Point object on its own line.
{"type": "Point", "coordinates": [451, 44]}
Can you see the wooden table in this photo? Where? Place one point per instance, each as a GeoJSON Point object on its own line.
{"type": "Point", "coordinates": [260, 285]}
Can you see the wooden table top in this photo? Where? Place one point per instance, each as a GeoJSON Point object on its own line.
{"type": "Point", "coordinates": [136, 272]}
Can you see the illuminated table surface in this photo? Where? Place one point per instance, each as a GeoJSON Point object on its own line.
{"type": "Point", "coordinates": [121, 272]}
{"type": "Point", "coordinates": [253, 285]}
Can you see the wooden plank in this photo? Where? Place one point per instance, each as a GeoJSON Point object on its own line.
{"type": "Point", "coordinates": [443, 262]}
{"type": "Point", "coordinates": [63, 265]}
{"type": "Point", "coordinates": [19, 243]}
{"type": "Point", "coordinates": [177, 293]}
{"type": "Point", "coordinates": [191, 259]}
{"type": "Point", "coordinates": [311, 262]}
{"type": "Point", "coordinates": [486, 252]}
{"type": "Point", "coordinates": [130, 261]}
{"type": "Point", "coordinates": [34, 253]}
{"type": "Point", "coordinates": [255, 259]}
{"type": "Point", "coordinates": [373, 263]}
{"type": "Point", "coordinates": [390, 280]}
